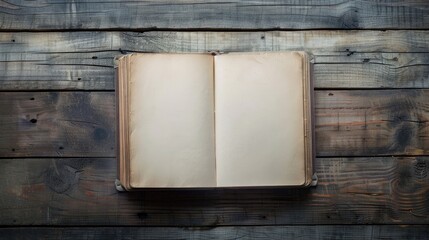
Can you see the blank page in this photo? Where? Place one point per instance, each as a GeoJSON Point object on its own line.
{"type": "Point", "coordinates": [171, 121]}
{"type": "Point", "coordinates": [259, 119]}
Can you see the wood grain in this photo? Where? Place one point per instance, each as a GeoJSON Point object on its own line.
{"type": "Point", "coordinates": [81, 124]}
{"type": "Point", "coordinates": [372, 232]}
{"type": "Point", "coordinates": [237, 14]}
{"type": "Point", "coordinates": [343, 59]}
{"type": "Point", "coordinates": [80, 191]}
{"type": "Point", "coordinates": [57, 124]}
{"type": "Point", "coordinates": [57, 192]}
{"type": "Point", "coordinates": [372, 122]}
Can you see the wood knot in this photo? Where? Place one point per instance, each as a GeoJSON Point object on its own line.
{"type": "Point", "coordinates": [421, 169]}
{"type": "Point", "coordinates": [100, 134]}
{"type": "Point", "coordinates": [142, 215]}
{"type": "Point", "coordinates": [350, 19]}
{"type": "Point", "coordinates": [349, 52]}
{"type": "Point", "coordinates": [62, 176]}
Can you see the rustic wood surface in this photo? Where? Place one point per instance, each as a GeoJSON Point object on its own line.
{"type": "Point", "coordinates": [80, 191]}
{"type": "Point", "coordinates": [57, 136]}
{"type": "Point", "coordinates": [57, 124]}
{"type": "Point", "coordinates": [236, 14]}
{"type": "Point", "coordinates": [332, 232]}
{"type": "Point", "coordinates": [372, 122]}
{"type": "Point", "coordinates": [347, 123]}
{"type": "Point", "coordinates": [343, 59]}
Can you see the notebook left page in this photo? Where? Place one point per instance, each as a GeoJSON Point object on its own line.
{"type": "Point", "coordinates": [171, 121]}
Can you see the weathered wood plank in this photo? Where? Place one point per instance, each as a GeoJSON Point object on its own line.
{"type": "Point", "coordinates": [81, 124]}
{"type": "Point", "coordinates": [79, 191]}
{"type": "Point", "coordinates": [372, 122]}
{"type": "Point", "coordinates": [57, 124]}
{"type": "Point", "coordinates": [237, 14]}
{"type": "Point", "coordinates": [344, 59]}
{"type": "Point", "coordinates": [368, 232]}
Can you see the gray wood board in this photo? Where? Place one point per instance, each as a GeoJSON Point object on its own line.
{"type": "Point", "coordinates": [333, 232]}
{"type": "Point", "coordinates": [236, 14]}
{"type": "Point", "coordinates": [80, 191]}
{"type": "Point", "coordinates": [343, 59]}
{"type": "Point", "coordinates": [82, 124]}
{"type": "Point", "coordinates": [57, 124]}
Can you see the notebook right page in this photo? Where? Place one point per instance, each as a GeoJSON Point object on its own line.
{"type": "Point", "coordinates": [259, 119]}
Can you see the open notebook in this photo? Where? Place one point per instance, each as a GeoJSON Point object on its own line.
{"type": "Point", "coordinates": [202, 121]}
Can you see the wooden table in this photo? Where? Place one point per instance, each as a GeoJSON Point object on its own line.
{"type": "Point", "coordinates": [57, 119]}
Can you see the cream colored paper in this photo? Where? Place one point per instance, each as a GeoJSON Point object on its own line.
{"type": "Point", "coordinates": [171, 121]}
{"type": "Point", "coordinates": [259, 119]}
